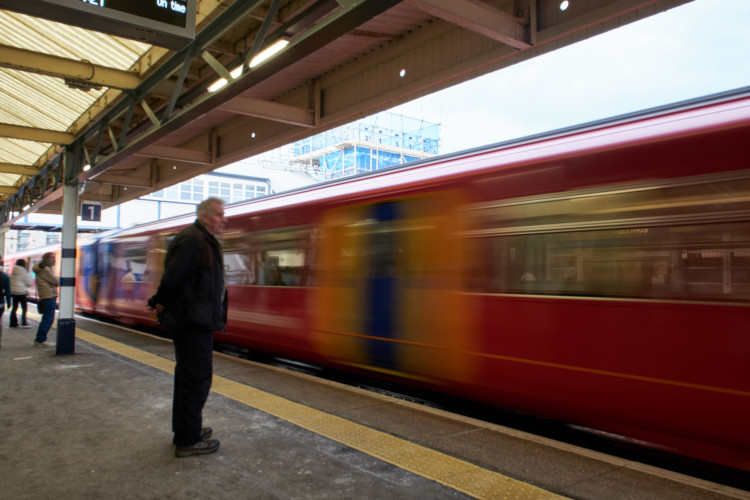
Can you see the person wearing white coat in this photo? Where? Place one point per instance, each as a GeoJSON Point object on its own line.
{"type": "Point", "coordinates": [20, 282]}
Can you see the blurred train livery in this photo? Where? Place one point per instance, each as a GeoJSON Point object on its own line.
{"type": "Point", "coordinates": [597, 275]}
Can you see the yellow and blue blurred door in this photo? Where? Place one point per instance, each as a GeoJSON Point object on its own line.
{"type": "Point", "coordinates": [380, 283]}
{"type": "Point", "coordinates": [389, 297]}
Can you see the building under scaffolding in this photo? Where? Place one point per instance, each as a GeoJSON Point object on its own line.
{"type": "Point", "coordinates": [373, 143]}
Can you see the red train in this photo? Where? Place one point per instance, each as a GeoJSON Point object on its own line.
{"type": "Point", "coordinates": [598, 276]}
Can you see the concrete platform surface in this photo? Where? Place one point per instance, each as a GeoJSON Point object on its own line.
{"type": "Point", "coordinates": [96, 424]}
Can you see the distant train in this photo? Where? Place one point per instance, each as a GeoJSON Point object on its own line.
{"type": "Point", "coordinates": [598, 275]}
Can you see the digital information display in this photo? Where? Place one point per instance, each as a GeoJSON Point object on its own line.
{"type": "Point", "coordinates": [172, 12]}
{"type": "Point", "coordinates": [168, 23]}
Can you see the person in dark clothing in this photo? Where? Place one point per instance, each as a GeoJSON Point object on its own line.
{"type": "Point", "coordinates": [4, 294]}
{"type": "Point", "coordinates": [191, 304]}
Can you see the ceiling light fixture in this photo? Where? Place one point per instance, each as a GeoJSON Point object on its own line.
{"type": "Point", "coordinates": [264, 55]}
{"type": "Point", "coordinates": [222, 81]}
{"type": "Point", "coordinates": [269, 52]}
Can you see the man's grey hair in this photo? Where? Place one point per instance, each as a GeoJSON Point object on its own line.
{"type": "Point", "coordinates": [206, 206]}
{"type": "Point", "coordinates": [47, 257]}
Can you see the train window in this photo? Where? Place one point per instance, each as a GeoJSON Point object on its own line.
{"type": "Point", "coordinates": [131, 256]}
{"type": "Point", "coordinates": [282, 267]}
{"type": "Point", "coordinates": [694, 262]}
{"type": "Point", "coordinates": [684, 239]}
{"type": "Point", "coordinates": [269, 258]}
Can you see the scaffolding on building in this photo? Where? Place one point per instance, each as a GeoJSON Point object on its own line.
{"type": "Point", "coordinates": [380, 141]}
{"type": "Point", "coordinates": [373, 143]}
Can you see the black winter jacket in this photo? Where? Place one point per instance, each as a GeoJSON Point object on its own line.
{"type": "Point", "coordinates": [192, 287]}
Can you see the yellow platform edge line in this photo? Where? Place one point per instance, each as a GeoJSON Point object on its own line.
{"type": "Point", "coordinates": [430, 464]}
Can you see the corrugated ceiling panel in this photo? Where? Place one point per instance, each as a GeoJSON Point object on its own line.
{"type": "Point", "coordinates": [32, 100]}
{"type": "Point", "coordinates": [6, 179]}
{"type": "Point", "coordinates": [20, 152]}
{"type": "Point", "coordinates": [42, 101]}
{"type": "Point", "coordinates": [48, 37]}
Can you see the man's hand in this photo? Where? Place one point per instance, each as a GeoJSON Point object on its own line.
{"type": "Point", "coordinates": [158, 308]}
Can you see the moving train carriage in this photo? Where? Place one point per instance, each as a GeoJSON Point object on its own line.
{"type": "Point", "coordinates": [630, 310]}
{"type": "Point", "coordinates": [118, 271]}
{"type": "Point", "coordinates": [92, 257]}
{"type": "Point", "coordinates": [597, 276]}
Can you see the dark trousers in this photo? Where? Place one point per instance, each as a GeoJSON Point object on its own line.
{"type": "Point", "coordinates": [192, 383]}
{"type": "Point", "coordinates": [18, 299]}
{"type": "Point", "coordinates": [49, 306]}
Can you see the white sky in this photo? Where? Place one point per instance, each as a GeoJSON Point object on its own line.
{"type": "Point", "coordinates": [692, 50]}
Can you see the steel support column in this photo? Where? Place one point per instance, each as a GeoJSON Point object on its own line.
{"type": "Point", "coordinates": [66, 325]}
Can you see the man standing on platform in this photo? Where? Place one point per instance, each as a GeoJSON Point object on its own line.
{"type": "Point", "coordinates": [191, 304]}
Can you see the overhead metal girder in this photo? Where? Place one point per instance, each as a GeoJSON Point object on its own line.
{"type": "Point", "coordinates": [83, 71]}
{"type": "Point", "coordinates": [261, 37]}
{"type": "Point", "coordinates": [305, 44]}
{"type": "Point", "coordinates": [75, 71]}
{"type": "Point", "coordinates": [177, 63]}
{"type": "Point", "coordinates": [35, 134]}
{"type": "Point", "coordinates": [125, 180]}
{"type": "Point", "coordinates": [14, 168]}
{"type": "Point", "coordinates": [270, 111]}
{"type": "Point", "coordinates": [176, 154]}
{"type": "Point", "coordinates": [45, 187]}
{"type": "Point", "coordinates": [479, 17]}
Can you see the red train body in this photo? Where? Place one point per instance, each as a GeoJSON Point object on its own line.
{"type": "Point", "coordinates": [598, 276]}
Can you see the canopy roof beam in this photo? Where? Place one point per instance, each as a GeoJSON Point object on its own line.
{"type": "Point", "coordinates": [35, 134]}
{"type": "Point", "coordinates": [481, 18]}
{"type": "Point", "coordinates": [270, 111]}
{"type": "Point", "coordinates": [14, 168]}
{"type": "Point", "coordinates": [83, 73]}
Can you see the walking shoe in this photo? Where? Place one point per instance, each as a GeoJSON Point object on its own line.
{"type": "Point", "coordinates": [205, 434]}
{"type": "Point", "coordinates": [200, 448]}
{"type": "Point", "coordinates": [43, 344]}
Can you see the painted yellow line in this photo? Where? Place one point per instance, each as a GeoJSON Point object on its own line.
{"type": "Point", "coordinates": [449, 471]}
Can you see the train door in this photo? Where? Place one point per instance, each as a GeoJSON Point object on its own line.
{"type": "Point", "coordinates": [87, 288]}
{"type": "Point", "coordinates": [127, 269]}
{"type": "Point", "coordinates": [106, 282]}
{"type": "Point", "coordinates": [380, 282]}
{"type": "Point", "coordinates": [389, 289]}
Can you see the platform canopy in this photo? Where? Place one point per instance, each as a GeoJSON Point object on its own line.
{"type": "Point", "coordinates": [129, 117]}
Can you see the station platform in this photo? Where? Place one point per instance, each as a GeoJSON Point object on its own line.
{"type": "Point", "coordinates": [97, 424]}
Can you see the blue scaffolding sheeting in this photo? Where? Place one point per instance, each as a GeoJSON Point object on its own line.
{"type": "Point", "coordinates": [373, 143]}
